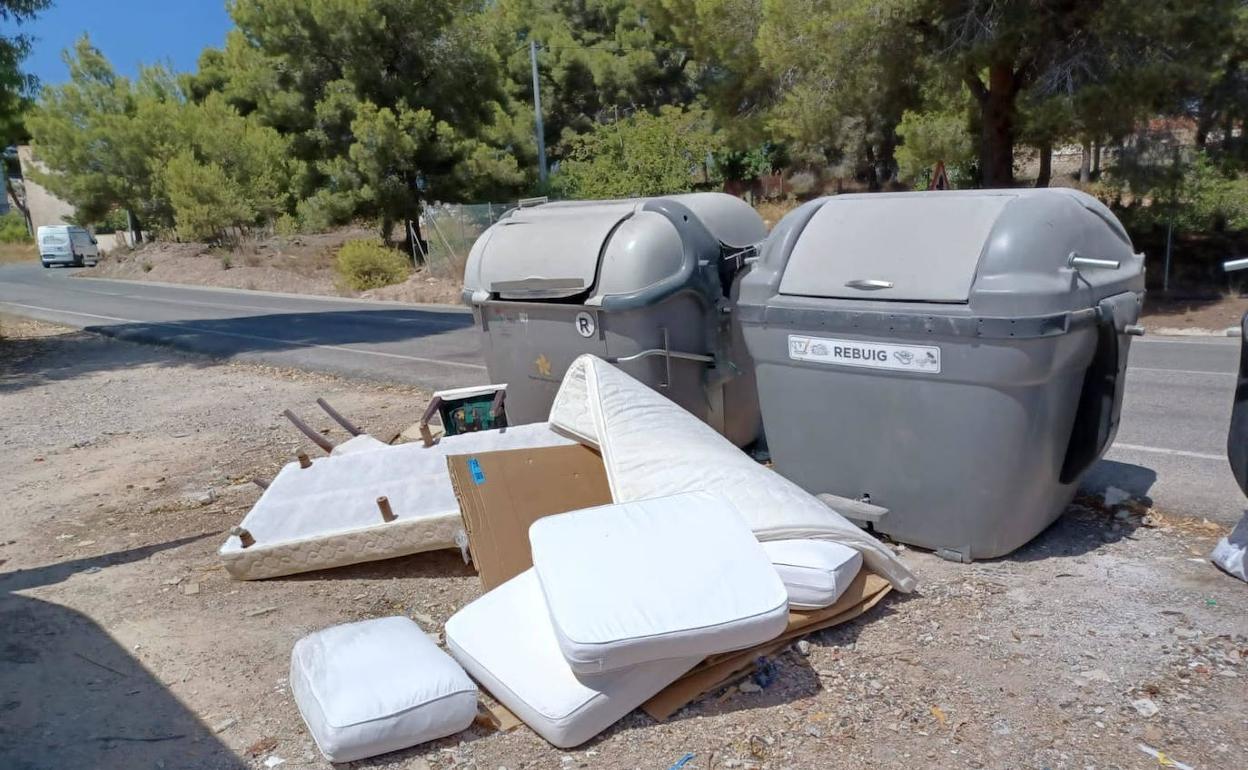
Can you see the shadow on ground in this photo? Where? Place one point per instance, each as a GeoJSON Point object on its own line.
{"type": "Point", "coordinates": [73, 698]}
{"type": "Point", "coordinates": [283, 331]}
{"type": "Point", "coordinates": [27, 362]}
{"type": "Point", "coordinates": [1088, 524]}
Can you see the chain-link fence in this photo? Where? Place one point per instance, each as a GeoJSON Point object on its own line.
{"type": "Point", "coordinates": [450, 230]}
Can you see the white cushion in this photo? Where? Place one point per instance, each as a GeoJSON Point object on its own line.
{"type": "Point", "coordinates": [505, 641]}
{"type": "Point", "coordinates": [669, 577]}
{"type": "Point", "coordinates": [815, 572]}
{"type": "Point", "coordinates": [376, 686]}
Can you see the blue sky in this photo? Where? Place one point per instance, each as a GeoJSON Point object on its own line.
{"type": "Point", "coordinates": [129, 32]}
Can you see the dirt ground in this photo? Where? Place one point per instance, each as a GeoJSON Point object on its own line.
{"type": "Point", "coordinates": [123, 643]}
{"type": "Point", "coordinates": [1193, 315]}
{"type": "Point", "coordinates": [301, 264]}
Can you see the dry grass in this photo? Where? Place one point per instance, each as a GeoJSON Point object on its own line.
{"type": "Point", "coordinates": [17, 252]}
{"type": "Point", "coordinates": [773, 211]}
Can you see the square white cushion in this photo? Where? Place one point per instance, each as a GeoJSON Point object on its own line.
{"type": "Point", "coordinates": [376, 686]}
{"type": "Point", "coordinates": [815, 572]}
{"type": "Point", "coordinates": [669, 577]}
{"type": "Point", "coordinates": [505, 641]}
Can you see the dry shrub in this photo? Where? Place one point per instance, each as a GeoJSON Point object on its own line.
{"type": "Point", "coordinates": [368, 264]}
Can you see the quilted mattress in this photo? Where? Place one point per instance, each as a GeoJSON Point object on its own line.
{"type": "Point", "coordinates": [653, 448]}
{"type": "Point", "coordinates": [327, 515]}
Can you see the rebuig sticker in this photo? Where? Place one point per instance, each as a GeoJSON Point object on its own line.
{"type": "Point", "coordinates": [870, 355]}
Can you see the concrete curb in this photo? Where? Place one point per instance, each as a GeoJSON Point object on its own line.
{"type": "Point", "coordinates": [1171, 331]}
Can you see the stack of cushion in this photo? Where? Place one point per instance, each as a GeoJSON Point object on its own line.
{"type": "Point", "coordinates": [621, 601]}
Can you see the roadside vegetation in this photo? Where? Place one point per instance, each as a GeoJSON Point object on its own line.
{"type": "Point", "coordinates": [368, 264]}
{"type": "Point", "coordinates": [317, 114]}
{"type": "Point", "coordinates": [16, 245]}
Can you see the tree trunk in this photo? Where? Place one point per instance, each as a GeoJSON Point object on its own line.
{"type": "Point", "coordinates": [873, 178]}
{"type": "Point", "coordinates": [1046, 164]}
{"type": "Point", "coordinates": [19, 201]}
{"type": "Point", "coordinates": [996, 142]}
{"type": "Point", "coordinates": [1085, 163]}
{"type": "Point", "coordinates": [136, 227]}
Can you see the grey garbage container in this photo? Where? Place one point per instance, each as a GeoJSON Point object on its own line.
{"type": "Point", "coordinates": [645, 283]}
{"type": "Point", "coordinates": [954, 358]}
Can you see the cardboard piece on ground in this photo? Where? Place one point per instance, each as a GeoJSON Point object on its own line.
{"type": "Point", "coordinates": [495, 716]}
{"type": "Point", "coordinates": [866, 590]}
{"type": "Point", "coordinates": [501, 493]}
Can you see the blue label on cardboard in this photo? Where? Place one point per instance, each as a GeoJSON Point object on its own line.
{"type": "Point", "coordinates": [474, 468]}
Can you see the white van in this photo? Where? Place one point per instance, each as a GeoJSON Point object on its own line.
{"type": "Point", "coordinates": [66, 245]}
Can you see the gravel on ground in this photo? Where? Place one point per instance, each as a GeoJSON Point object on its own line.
{"type": "Point", "coordinates": [123, 643]}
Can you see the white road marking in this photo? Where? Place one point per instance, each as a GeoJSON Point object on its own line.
{"type": "Point", "coordinates": [256, 337]}
{"type": "Point", "coordinates": [1165, 451]}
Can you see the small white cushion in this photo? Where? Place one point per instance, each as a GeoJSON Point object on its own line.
{"type": "Point", "coordinates": [815, 572]}
{"type": "Point", "coordinates": [376, 686]}
{"type": "Point", "coordinates": [505, 641]}
{"type": "Point", "coordinates": [669, 577]}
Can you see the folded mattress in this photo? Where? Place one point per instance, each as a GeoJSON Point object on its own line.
{"type": "Point", "coordinates": [327, 515]}
{"type": "Point", "coordinates": [668, 577]}
{"type": "Point", "coordinates": [506, 642]}
{"type": "Point", "coordinates": [653, 448]}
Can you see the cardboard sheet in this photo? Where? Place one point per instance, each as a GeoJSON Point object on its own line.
{"type": "Point", "coordinates": [863, 593]}
{"type": "Point", "coordinates": [501, 493]}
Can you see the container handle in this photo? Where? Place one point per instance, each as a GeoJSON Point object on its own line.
{"type": "Point", "coordinates": [869, 284]}
{"type": "Point", "coordinates": [1077, 261]}
{"type": "Point", "coordinates": [668, 354]}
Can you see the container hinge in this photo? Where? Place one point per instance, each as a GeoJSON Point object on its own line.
{"type": "Point", "coordinates": [961, 556]}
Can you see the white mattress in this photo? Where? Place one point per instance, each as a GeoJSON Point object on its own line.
{"type": "Point", "coordinates": [327, 516]}
{"type": "Point", "coordinates": [653, 448]}
{"type": "Point", "coordinates": [668, 577]}
{"type": "Point", "coordinates": [815, 572]}
{"type": "Point", "coordinates": [360, 443]}
{"type": "Point", "coordinates": [376, 686]}
{"type": "Point", "coordinates": [505, 641]}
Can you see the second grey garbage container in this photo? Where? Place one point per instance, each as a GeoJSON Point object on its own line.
{"type": "Point", "coordinates": [956, 358]}
{"type": "Point", "coordinates": [645, 283]}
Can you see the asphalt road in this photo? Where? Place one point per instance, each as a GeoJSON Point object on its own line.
{"type": "Point", "coordinates": [1171, 446]}
{"type": "Point", "coordinates": [430, 346]}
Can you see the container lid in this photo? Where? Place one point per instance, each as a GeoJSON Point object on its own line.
{"type": "Point", "coordinates": [548, 252]}
{"type": "Point", "coordinates": [893, 247]}
{"type": "Point", "coordinates": [606, 249]}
